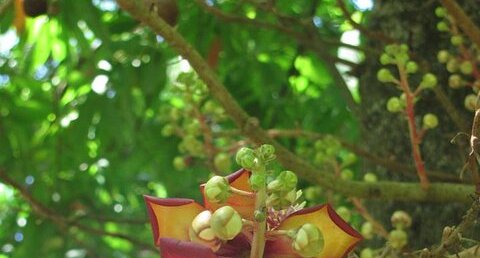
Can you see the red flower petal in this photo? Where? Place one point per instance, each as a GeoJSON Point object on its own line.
{"type": "Point", "coordinates": [171, 217]}
{"type": "Point", "coordinates": [340, 238]}
{"type": "Point", "coordinates": [243, 204]}
{"type": "Point", "coordinates": [174, 248]}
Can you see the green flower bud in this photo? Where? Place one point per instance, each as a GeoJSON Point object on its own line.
{"type": "Point", "coordinates": [440, 12]}
{"type": "Point", "coordinates": [456, 40]}
{"type": "Point", "coordinates": [455, 81]}
{"type": "Point", "coordinates": [428, 81]}
{"type": "Point", "coordinates": [217, 189]}
{"type": "Point", "coordinates": [193, 127]}
{"type": "Point", "coordinates": [246, 158]}
{"type": "Point", "coordinates": [222, 162]}
{"type": "Point", "coordinates": [313, 193]}
{"type": "Point", "coordinates": [430, 121]}
{"type": "Point", "coordinates": [392, 49]}
{"type": "Point", "coordinates": [411, 67]}
{"type": "Point", "coordinates": [267, 152]}
{"type": "Point", "coordinates": [168, 130]}
{"type": "Point", "coordinates": [403, 48]}
{"type": "Point", "coordinates": [384, 75]}
{"type": "Point", "coordinates": [201, 232]}
{"type": "Point", "coordinates": [179, 163]}
{"type": "Point", "coordinates": [470, 102]}
{"type": "Point", "coordinates": [288, 179]}
{"type": "Point", "coordinates": [226, 223]}
{"type": "Point", "coordinates": [282, 200]}
{"type": "Point", "coordinates": [367, 230]}
{"type": "Point", "coordinates": [348, 159]}
{"type": "Point", "coordinates": [443, 56]}
{"type": "Point", "coordinates": [442, 26]}
{"type": "Point", "coordinates": [259, 216]}
{"type": "Point", "coordinates": [344, 213]}
{"type": "Point", "coordinates": [397, 239]}
{"type": "Point", "coordinates": [319, 145]}
{"type": "Point", "coordinates": [347, 174]}
{"type": "Point", "coordinates": [367, 253]}
{"type": "Point", "coordinates": [466, 67]}
{"type": "Point", "coordinates": [370, 177]}
{"type": "Point", "coordinates": [452, 65]}
{"type": "Point", "coordinates": [386, 59]}
{"type": "Point", "coordinates": [308, 241]}
{"type": "Point", "coordinates": [401, 220]}
{"type": "Point", "coordinates": [394, 105]}
{"type": "Point", "coordinates": [257, 181]}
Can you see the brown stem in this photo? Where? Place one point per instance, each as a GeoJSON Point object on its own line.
{"type": "Point", "coordinates": [412, 128]}
{"type": "Point", "coordinates": [378, 227]}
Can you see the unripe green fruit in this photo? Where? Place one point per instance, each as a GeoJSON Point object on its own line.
{"type": "Point", "coordinates": [347, 174]}
{"type": "Point", "coordinates": [428, 81]}
{"type": "Point", "coordinates": [411, 67]}
{"type": "Point", "coordinates": [226, 223]}
{"type": "Point", "coordinates": [344, 213]}
{"type": "Point", "coordinates": [443, 56]}
{"type": "Point", "coordinates": [466, 67]}
{"type": "Point", "coordinates": [179, 163]}
{"type": "Point", "coordinates": [442, 26]}
{"type": "Point", "coordinates": [394, 105]}
{"type": "Point", "coordinates": [440, 12]}
{"type": "Point", "coordinates": [308, 241]}
{"type": "Point", "coordinates": [367, 230]}
{"type": "Point", "coordinates": [367, 253]}
{"type": "Point", "coordinates": [456, 40]}
{"type": "Point", "coordinates": [455, 81]}
{"type": "Point", "coordinates": [217, 189]}
{"type": "Point", "coordinates": [470, 102]}
{"type": "Point", "coordinates": [397, 239]}
{"type": "Point", "coordinates": [222, 162]}
{"type": "Point", "coordinates": [370, 177]}
{"type": "Point", "coordinates": [430, 121]}
{"type": "Point", "coordinates": [384, 75]}
{"type": "Point", "coordinates": [401, 220]}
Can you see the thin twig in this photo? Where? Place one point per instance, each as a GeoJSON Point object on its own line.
{"type": "Point", "coordinates": [463, 21]}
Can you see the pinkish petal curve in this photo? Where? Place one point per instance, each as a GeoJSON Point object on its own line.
{"type": "Point", "coordinates": [174, 248]}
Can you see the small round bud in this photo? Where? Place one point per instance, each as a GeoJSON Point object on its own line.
{"type": "Point", "coordinates": [392, 49]}
{"type": "Point", "coordinates": [411, 67]}
{"type": "Point", "coordinates": [217, 189]}
{"type": "Point", "coordinates": [430, 121]}
{"type": "Point", "coordinates": [367, 253]}
{"type": "Point", "coordinates": [344, 213]}
{"type": "Point", "coordinates": [442, 26]}
{"type": "Point", "coordinates": [168, 130]}
{"type": "Point", "coordinates": [246, 158]}
{"type": "Point", "coordinates": [401, 220]}
{"type": "Point", "coordinates": [179, 163]}
{"type": "Point", "coordinates": [347, 174]}
{"type": "Point", "coordinates": [287, 180]}
{"type": "Point", "coordinates": [470, 102]}
{"type": "Point", "coordinates": [370, 177]}
{"type": "Point", "coordinates": [443, 56]}
{"type": "Point", "coordinates": [367, 230]}
{"type": "Point", "coordinates": [466, 67]}
{"type": "Point", "coordinates": [385, 59]}
{"type": "Point", "coordinates": [440, 12]}
{"type": "Point", "coordinates": [267, 152]}
{"type": "Point", "coordinates": [348, 159]}
{"type": "Point", "coordinates": [428, 81]}
{"type": "Point", "coordinates": [456, 40]}
{"type": "Point", "coordinates": [384, 75]}
{"type": "Point", "coordinates": [257, 181]}
{"type": "Point", "coordinates": [404, 48]}
{"type": "Point", "coordinates": [312, 193]}
{"type": "Point", "coordinates": [226, 223]}
{"type": "Point", "coordinates": [394, 105]}
{"type": "Point", "coordinates": [259, 216]}
{"type": "Point", "coordinates": [397, 239]}
{"type": "Point", "coordinates": [455, 81]}
{"type": "Point", "coordinates": [201, 232]}
{"type": "Point", "coordinates": [193, 127]}
{"type": "Point", "coordinates": [308, 241]}
{"type": "Point", "coordinates": [222, 162]}
{"type": "Point", "coordinates": [452, 65]}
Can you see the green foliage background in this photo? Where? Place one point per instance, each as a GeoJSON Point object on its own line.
{"type": "Point", "coordinates": [91, 154]}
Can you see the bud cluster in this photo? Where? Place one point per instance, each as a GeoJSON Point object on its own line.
{"type": "Point", "coordinates": [398, 238]}
{"type": "Point", "coordinates": [282, 191]}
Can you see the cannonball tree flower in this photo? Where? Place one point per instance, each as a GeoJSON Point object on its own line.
{"type": "Point", "coordinates": [183, 228]}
